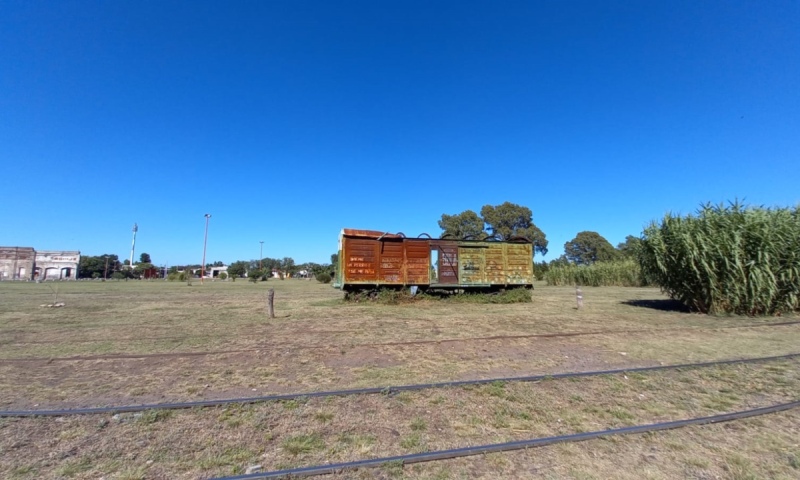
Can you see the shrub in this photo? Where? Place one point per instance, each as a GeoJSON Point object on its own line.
{"type": "Point", "coordinates": [324, 277]}
{"type": "Point", "coordinates": [626, 273]}
{"type": "Point", "coordinates": [222, 275]}
{"type": "Point", "coordinates": [392, 296]}
{"type": "Point", "coordinates": [174, 276]}
{"type": "Point", "coordinates": [734, 259]}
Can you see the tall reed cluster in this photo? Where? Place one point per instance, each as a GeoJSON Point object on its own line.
{"type": "Point", "coordinates": [727, 259]}
{"type": "Point", "coordinates": [625, 273]}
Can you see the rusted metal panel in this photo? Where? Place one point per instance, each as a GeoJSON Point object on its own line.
{"type": "Point", "coordinates": [391, 262]}
{"type": "Point", "coordinates": [448, 264]}
{"type": "Point", "coordinates": [369, 257]}
{"type": "Point", "coordinates": [360, 260]}
{"type": "Point", "coordinates": [495, 263]}
{"type": "Point", "coordinates": [418, 262]}
{"type": "Point", "coordinates": [471, 265]}
{"type": "Point", "coordinates": [519, 263]}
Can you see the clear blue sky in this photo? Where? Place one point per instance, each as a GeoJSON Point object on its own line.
{"type": "Point", "coordinates": [289, 120]}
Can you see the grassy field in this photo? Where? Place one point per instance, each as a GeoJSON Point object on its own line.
{"type": "Point", "coordinates": [144, 342]}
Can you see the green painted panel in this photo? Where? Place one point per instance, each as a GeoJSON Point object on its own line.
{"type": "Point", "coordinates": [471, 267]}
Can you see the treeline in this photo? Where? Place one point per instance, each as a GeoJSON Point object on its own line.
{"type": "Point", "coordinates": [108, 266]}
{"type": "Point", "coordinates": [261, 270]}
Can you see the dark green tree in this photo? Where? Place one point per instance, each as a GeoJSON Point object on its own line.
{"type": "Point", "coordinates": [95, 266]}
{"type": "Point", "coordinates": [237, 269]}
{"type": "Point", "coordinates": [511, 220]}
{"type": "Point", "coordinates": [630, 247]}
{"type": "Point", "coordinates": [145, 258]}
{"type": "Point", "coordinates": [589, 247]}
{"type": "Point", "coordinates": [287, 266]}
{"type": "Point", "coordinates": [464, 224]}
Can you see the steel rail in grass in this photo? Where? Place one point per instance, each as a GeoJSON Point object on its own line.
{"type": "Point", "coordinates": [505, 447]}
{"type": "Point", "coordinates": [370, 390]}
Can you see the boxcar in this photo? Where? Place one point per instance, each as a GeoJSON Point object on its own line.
{"type": "Point", "coordinates": [371, 259]}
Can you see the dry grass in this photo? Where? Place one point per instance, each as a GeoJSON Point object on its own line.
{"type": "Point", "coordinates": [159, 341]}
{"type": "Point", "coordinates": [222, 441]}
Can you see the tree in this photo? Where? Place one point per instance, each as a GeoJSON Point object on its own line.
{"type": "Point", "coordinates": [118, 276]}
{"type": "Point", "coordinates": [256, 275]}
{"type": "Point", "coordinates": [145, 258]}
{"type": "Point", "coordinates": [237, 269]}
{"type": "Point", "coordinates": [95, 266]}
{"type": "Point", "coordinates": [145, 269]}
{"type": "Point", "coordinates": [630, 247]}
{"type": "Point", "coordinates": [464, 224]}
{"type": "Point", "coordinates": [589, 247]}
{"type": "Point", "coordinates": [287, 266]}
{"type": "Point", "coordinates": [511, 220]}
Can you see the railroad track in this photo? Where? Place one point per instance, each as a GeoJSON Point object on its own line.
{"type": "Point", "coordinates": [263, 347]}
{"type": "Point", "coordinates": [388, 390]}
{"type": "Point", "coordinates": [508, 446]}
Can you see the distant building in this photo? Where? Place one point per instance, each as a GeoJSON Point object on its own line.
{"type": "Point", "coordinates": [214, 272]}
{"type": "Point", "coordinates": [16, 263]}
{"type": "Point", "coordinates": [25, 263]}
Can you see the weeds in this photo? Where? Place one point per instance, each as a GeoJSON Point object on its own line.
{"type": "Point", "coordinates": [388, 296]}
{"type": "Point", "coordinates": [303, 444]}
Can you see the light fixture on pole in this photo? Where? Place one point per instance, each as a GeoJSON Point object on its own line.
{"type": "Point", "coordinates": [260, 254]}
{"type": "Point", "coordinates": [205, 241]}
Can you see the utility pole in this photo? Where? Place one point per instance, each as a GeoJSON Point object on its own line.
{"type": "Point", "coordinates": [133, 245]}
{"type": "Point", "coordinates": [105, 272]}
{"type": "Point", "coordinates": [205, 241]}
{"type": "Point", "coordinates": [261, 254]}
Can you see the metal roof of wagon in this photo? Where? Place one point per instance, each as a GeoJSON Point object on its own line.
{"type": "Point", "coordinates": [377, 235]}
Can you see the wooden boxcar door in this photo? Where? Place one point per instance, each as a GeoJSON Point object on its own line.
{"type": "Point", "coordinates": [448, 264]}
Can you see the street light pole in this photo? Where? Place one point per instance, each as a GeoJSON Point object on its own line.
{"type": "Point", "coordinates": [205, 241]}
{"type": "Point", "coordinates": [260, 254]}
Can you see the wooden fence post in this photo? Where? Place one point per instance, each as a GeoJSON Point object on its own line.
{"type": "Point", "coordinates": [579, 296]}
{"type": "Point", "coordinates": [271, 303]}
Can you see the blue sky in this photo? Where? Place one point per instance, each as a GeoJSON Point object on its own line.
{"type": "Point", "coordinates": [287, 121]}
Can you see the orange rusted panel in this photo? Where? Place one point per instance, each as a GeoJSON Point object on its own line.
{"type": "Point", "coordinates": [360, 260]}
{"type": "Point", "coordinates": [392, 261]}
{"type": "Point", "coordinates": [373, 257]}
{"type": "Point", "coordinates": [418, 262]}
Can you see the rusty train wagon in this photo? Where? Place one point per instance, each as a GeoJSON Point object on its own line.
{"type": "Point", "coordinates": [371, 259]}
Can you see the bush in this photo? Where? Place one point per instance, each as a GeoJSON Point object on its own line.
{"type": "Point", "coordinates": [733, 259]}
{"type": "Point", "coordinates": [324, 277]}
{"type": "Point", "coordinates": [604, 274]}
{"type": "Point", "coordinates": [222, 275]}
{"type": "Point", "coordinates": [392, 296]}
{"type": "Point", "coordinates": [174, 276]}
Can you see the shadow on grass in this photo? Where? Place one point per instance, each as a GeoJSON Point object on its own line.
{"type": "Point", "coordinates": [664, 305]}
